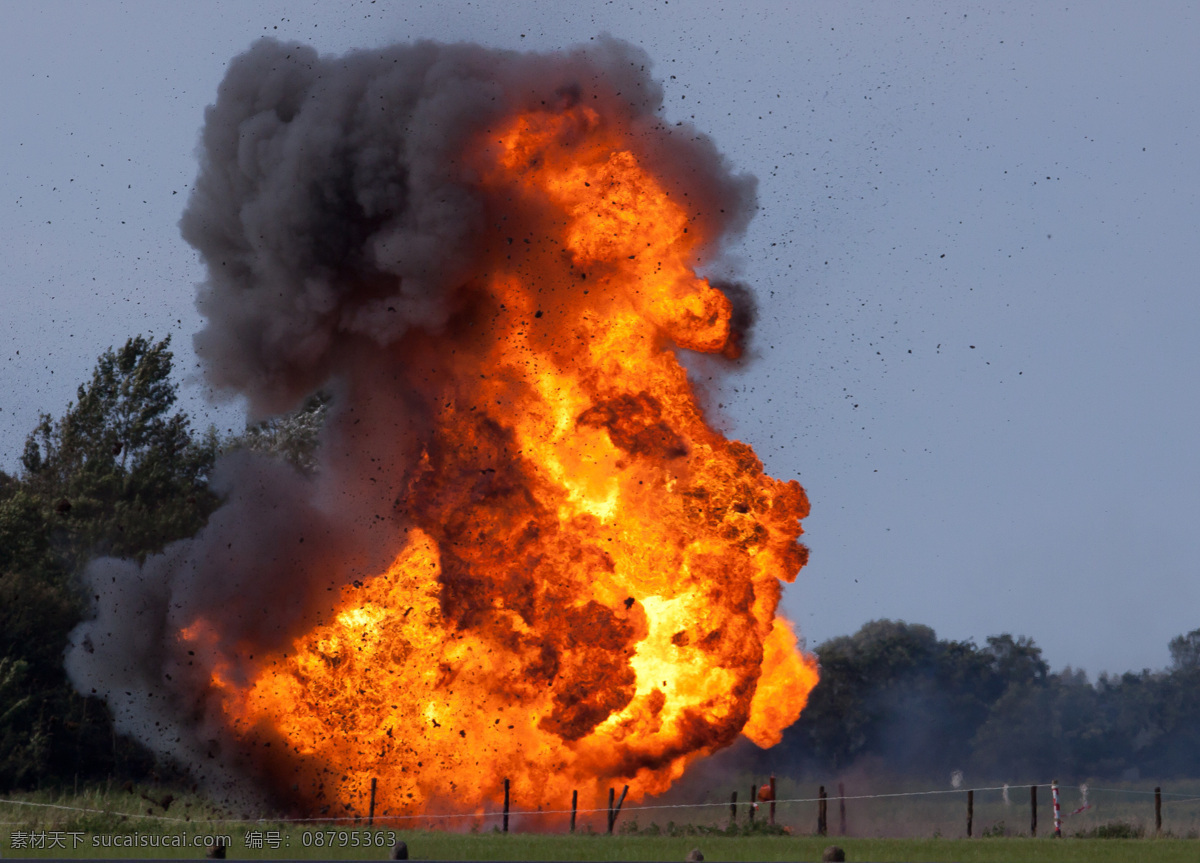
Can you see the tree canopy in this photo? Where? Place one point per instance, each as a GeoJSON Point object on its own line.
{"type": "Point", "coordinates": [123, 474]}
{"type": "Point", "coordinates": [896, 697]}
{"type": "Point", "coordinates": [117, 474]}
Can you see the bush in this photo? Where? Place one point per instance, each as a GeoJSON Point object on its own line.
{"type": "Point", "coordinates": [757, 828]}
{"type": "Point", "coordinates": [1113, 830]}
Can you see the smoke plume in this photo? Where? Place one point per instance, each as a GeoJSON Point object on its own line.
{"type": "Point", "coordinates": [359, 238]}
{"type": "Point", "coordinates": [334, 209]}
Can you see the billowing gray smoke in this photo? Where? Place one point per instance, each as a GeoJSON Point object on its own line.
{"type": "Point", "coordinates": [335, 214]}
{"type": "Point", "coordinates": [333, 204]}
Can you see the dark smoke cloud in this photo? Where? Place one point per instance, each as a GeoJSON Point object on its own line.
{"type": "Point", "coordinates": [335, 213]}
{"type": "Point", "coordinates": [745, 316]}
{"type": "Point", "coordinates": [333, 204]}
{"type": "Point", "coordinates": [263, 569]}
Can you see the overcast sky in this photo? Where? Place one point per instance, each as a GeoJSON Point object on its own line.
{"type": "Point", "coordinates": [976, 262]}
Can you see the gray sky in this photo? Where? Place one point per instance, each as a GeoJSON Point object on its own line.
{"type": "Point", "coordinates": [975, 260]}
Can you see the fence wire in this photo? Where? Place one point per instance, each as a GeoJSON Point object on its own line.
{"type": "Point", "coordinates": [627, 810]}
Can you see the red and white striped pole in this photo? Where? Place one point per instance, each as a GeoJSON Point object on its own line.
{"type": "Point", "coordinates": [1057, 811]}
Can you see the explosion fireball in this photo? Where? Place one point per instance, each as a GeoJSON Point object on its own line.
{"type": "Point", "coordinates": [525, 554]}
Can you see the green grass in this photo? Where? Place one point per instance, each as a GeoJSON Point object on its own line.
{"type": "Point", "coordinates": [431, 845]}
{"type": "Point", "coordinates": [786, 848]}
{"type": "Point", "coordinates": [934, 827]}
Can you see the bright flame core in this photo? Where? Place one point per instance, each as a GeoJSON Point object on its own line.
{"type": "Point", "coordinates": [587, 589]}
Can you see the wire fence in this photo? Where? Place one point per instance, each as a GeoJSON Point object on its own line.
{"type": "Point", "coordinates": [851, 808]}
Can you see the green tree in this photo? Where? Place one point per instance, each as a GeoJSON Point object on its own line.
{"type": "Point", "coordinates": [122, 474]}
{"type": "Point", "coordinates": [1020, 737]}
{"type": "Point", "coordinates": [118, 474]}
{"type": "Point", "coordinates": [294, 437]}
{"type": "Point", "coordinates": [1185, 651]}
{"type": "Point", "coordinates": [1017, 660]}
{"type": "Point", "coordinates": [896, 693]}
{"type": "Point", "coordinates": [895, 696]}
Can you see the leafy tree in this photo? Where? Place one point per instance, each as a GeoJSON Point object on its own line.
{"type": "Point", "coordinates": [14, 701]}
{"type": "Point", "coordinates": [1017, 660]}
{"type": "Point", "coordinates": [122, 474]}
{"type": "Point", "coordinates": [894, 692]}
{"type": "Point", "coordinates": [24, 539]}
{"type": "Point", "coordinates": [894, 696]}
{"type": "Point", "coordinates": [1019, 736]}
{"type": "Point", "coordinates": [1177, 752]}
{"type": "Point", "coordinates": [293, 437]}
{"type": "Point", "coordinates": [118, 474]}
{"type": "Point", "coordinates": [1185, 651]}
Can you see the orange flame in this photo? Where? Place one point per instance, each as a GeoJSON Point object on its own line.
{"type": "Point", "coordinates": [588, 586]}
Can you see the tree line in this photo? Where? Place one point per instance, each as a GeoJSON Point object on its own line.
{"type": "Point", "coordinates": [894, 697]}
{"type": "Point", "coordinates": [123, 473]}
{"type": "Point", "coordinates": [119, 473]}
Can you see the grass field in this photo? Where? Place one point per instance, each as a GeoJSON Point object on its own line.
{"type": "Point", "coordinates": [135, 823]}
{"type": "Point", "coordinates": [428, 845]}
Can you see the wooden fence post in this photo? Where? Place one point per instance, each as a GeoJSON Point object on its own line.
{"type": "Point", "coordinates": [771, 815]}
{"type": "Point", "coordinates": [822, 813]}
{"type": "Point", "coordinates": [1033, 810]}
{"type": "Point", "coordinates": [733, 809]}
{"type": "Point", "coordinates": [841, 809]}
{"type": "Point", "coordinates": [506, 805]}
{"type": "Point", "coordinates": [753, 802]}
{"type": "Point", "coordinates": [613, 810]}
{"type": "Point", "coordinates": [574, 807]}
{"type": "Point", "coordinates": [620, 803]}
{"type": "Point", "coordinates": [970, 812]}
{"type": "Point", "coordinates": [1157, 810]}
{"type": "Point", "coordinates": [371, 810]}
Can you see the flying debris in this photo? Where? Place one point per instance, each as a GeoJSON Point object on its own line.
{"type": "Point", "coordinates": [523, 552]}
